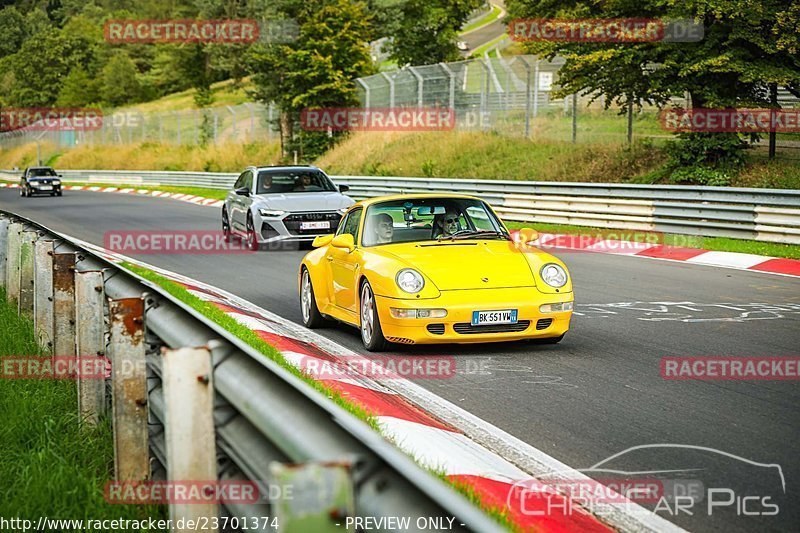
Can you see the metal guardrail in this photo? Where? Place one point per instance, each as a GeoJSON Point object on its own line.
{"type": "Point", "coordinates": [771, 215]}
{"type": "Point", "coordinates": [259, 414]}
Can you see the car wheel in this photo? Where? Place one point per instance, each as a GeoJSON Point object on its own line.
{"type": "Point", "coordinates": [549, 340]}
{"type": "Point", "coordinates": [226, 225]}
{"type": "Point", "coordinates": [22, 192]}
{"type": "Point", "coordinates": [312, 318]}
{"type": "Point", "coordinates": [53, 194]}
{"type": "Point", "coordinates": [59, 193]}
{"type": "Point", "coordinates": [252, 238]}
{"type": "Point", "coordinates": [370, 326]}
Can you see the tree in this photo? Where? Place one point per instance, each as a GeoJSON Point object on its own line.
{"type": "Point", "coordinates": [428, 31]}
{"type": "Point", "coordinates": [120, 84]}
{"type": "Point", "coordinates": [79, 89]}
{"type": "Point", "coordinates": [747, 46]}
{"type": "Point", "coordinates": [12, 29]}
{"type": "Point", "coordinates": [318, 69]}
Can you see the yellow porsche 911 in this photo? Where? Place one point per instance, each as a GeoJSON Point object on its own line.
{"type": "Point", "coordinates": [428, 268]}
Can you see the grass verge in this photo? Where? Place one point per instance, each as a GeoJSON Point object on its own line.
{"type": "Point", "coordinates": [721, 244]}
{"type": "Point", "coordinates": [484, 20]}
{"type": "Point", "coordinates": [50, 465]}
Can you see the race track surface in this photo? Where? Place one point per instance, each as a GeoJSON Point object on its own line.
{"type": "Point", "coordinates": [594, 395]}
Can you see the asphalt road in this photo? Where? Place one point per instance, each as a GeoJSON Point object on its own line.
{"type": "Point", "coordinates": [483, 35]}
{"type": "Point", "coordinates": [594, 395]}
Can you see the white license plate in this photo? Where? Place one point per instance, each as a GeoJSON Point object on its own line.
{"type": "Point", "coordinates": [45, 187]}
{"type": "Point", "coordinates": [503, 316]}
{"type": "Point", "coordinates": [324, 224]}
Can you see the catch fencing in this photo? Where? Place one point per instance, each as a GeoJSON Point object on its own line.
{"type": "Point", "coordinates": [771, 215]}
{"type": "Point", "coordinates": [190, 402]}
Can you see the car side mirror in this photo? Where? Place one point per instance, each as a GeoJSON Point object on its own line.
{"type": "Point", "coordinates": [60, 176]}
{"type": "Point", "coordinates": [344, 241]}
{"type": "Point", "coordinates": [322, 240]}
{"type": "Point", "coordinates": [242, 191]}
{"type": "Point", "coordinates": [344, 188]}
{"type": "Point", "coordinates": [527, 235]}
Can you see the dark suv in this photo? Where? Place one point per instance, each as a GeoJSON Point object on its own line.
{"type": "Point", "coordinates": [40, 180]}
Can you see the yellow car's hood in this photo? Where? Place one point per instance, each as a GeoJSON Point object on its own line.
{"type": "Point", "coordinates": [470, 264]}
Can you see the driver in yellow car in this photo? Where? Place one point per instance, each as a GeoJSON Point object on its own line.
{"type": "Point", "coordinates": [445, 225]}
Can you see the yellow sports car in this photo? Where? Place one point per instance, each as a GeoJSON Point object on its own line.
{"type": "Point", "coordinates": [428, 268]}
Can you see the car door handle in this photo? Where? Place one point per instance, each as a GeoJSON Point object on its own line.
{"type": "Point", "coordinates": [329, 258]}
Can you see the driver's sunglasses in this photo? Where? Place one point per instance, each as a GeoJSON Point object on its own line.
{"type": "Point", "coordinates": [450, 220]}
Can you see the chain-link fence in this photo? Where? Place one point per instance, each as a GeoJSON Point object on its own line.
{"type": "Point", "coordinates": [515, 96]}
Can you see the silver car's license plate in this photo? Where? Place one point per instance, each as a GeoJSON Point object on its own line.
{"type": "Point", "coordinates": [45, 187]}
{"type": "Point", "coordinates": [503, 316]}
{"type": "Point", "coordinates": [323, 224]}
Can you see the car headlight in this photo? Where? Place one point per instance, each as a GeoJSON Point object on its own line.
{"type": "Point", "coordinates": [271, 212]}
{"type": "Point", "coordinates": [410, 280]}
{"type": "Point", "coordinates": [554, 275]}
{"type": "Point", "coordinates": [56, 182]}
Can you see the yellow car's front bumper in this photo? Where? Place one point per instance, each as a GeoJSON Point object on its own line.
{"type": "Point", "coordinates": [456, 328]}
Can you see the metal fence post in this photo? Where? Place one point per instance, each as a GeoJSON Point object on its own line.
{"type": "Point", "coordinates": [216, 125]}
{"type": "Point", "coordinates": [233, 122]}
{"type": "Point", "coordinates": [187, 381]}
{"type": "Point", "coordinates": [26, 273]}
{"type": "Point", "coordinates": [420, 85]}
{"type": "Point", "coordinates": [4, 223]}
{"type": "Point", "coordinates": [451, 87]}
{"type": "Point", "coordinates": [90, 342]}
{"type": "Point", "coordinates": [129, 389]}
{"type": "Point", "coordinates": [630, 122]}
{"type": "Point", "coordinates": [366, 92]}
{"type": "Point", "coordinates": [391, 88]}
{"type": "Point", "coordinates": [178, 118]}
{"type": "Point", "coordinates": [43, 288]}
{"type": "Point", "coordinates": [574, 117]}
{"type": "Point", "coordinates": [252, 135]}
{"type": "Point", "coordinates": [12, 261]}
{"type": "Point", "coordinates": [64, 305]}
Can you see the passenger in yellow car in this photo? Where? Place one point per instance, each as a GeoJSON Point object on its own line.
{"type": "Point", "coordinates": [380, 228]}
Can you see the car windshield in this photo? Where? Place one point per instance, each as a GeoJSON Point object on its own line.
{"type": "Point", "coordinates": [295, 181]}
{"type": "Point", "coordinates": [426, 219]}
{"type": "Point", "coordinates": [39, 172]}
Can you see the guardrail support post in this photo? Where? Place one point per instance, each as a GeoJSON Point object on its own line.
{"type": "Point", "coordinates": [90, 341]}
{"type": "Point", "coordinates": [190, 439]}
{"type": "Point", "coordinates": [43, 292]}
{"type": "Point", "coordinates": [26, 270]}
{"type": "Point", "coordinates": [64, 305]}
{"type": "Point", "coordinates": [12, 261]}
{"type": "Point", "coordinates": [4, 223]}
{"type": "Point", "coordinates": [129, 389]}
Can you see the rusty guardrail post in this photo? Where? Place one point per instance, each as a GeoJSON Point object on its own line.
{"type": "Point", "coordinates": [187, 382]}
{"type": "Point", "coordinates": [129, 389]}
{"type": "Point", "coordinates": [4, 222]}
{"type": "Point", "coordinates": [64, 305]}
{"type": "Point", "coordinates": [90, 341]}
{"type": "Point", "coordinates": [12, 261]}
{"type": "Point", "coordinates": [43, 292]}
{"type": "Point", "coordinates": [26, 289]}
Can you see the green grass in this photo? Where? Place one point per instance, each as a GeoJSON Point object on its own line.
{"type": "Point", "coordinates": [50, 465]}
{"type": "Point", "coordinates": [478, 52]}
{"type": "Point", "coordinates": [247, 335]}
{"type": "Point", "coordinates": [721, 244]}
{"type": "Point", "coordinates": [486, 19]}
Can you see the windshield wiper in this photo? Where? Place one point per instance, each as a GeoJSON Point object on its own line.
{"type": "Point", "coordinates": [475, 233]}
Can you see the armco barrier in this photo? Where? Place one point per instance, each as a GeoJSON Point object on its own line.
{"type": "Point", "coordinates": [170, 364]}
{"type": "Point", "coordinates": [760, 214]}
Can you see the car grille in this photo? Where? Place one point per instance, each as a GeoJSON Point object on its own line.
{"type": "Point", "coordinates": [436, 329]}
{"type": "Point", "coordinates": [292, 222]}
{"type": "Point", "coordinates": [544, 323]}
{"type": "Point", "coordinates": [465, 328]}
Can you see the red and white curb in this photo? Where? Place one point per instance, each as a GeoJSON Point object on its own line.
{"type": "Point", "coordinates": [697, 256]}
{"type": "Point", "coordinates": [198, 200]}
{"type": "Point", "coordinates": [436, 433]}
